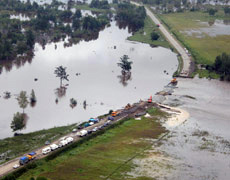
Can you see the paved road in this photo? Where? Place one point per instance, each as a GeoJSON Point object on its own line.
{"type": "Point", "coordinates": [186, 59]}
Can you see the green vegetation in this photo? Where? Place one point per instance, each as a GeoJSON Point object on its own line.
{"type": "Point", "coordinates": [144, 34]}
{"type": "Point", "coordinates": [18, 145]}
{"type": "Point", "coordinates": [204, 49]}
{"type": "Point", "coordinates": [103, 4]}
{"type": "Point", "coordinates": [60, 72]}
{"type": "Point", "coordinates": [221, 66]}
{"type": "Point", "coordinates": [125, 65]}
{"type": "Point", "coordinates": [107, 155]}
{"type": "Point", "coordinates": [131, 16]}
{"type": "Point", "coordinates": [18, 122]}
{"type": "Point", "coordinates": [22, 100]}
{"type": "Point", "coordinates": [46, 23]}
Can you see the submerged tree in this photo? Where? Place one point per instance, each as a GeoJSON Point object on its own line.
{"type": "Point", "coordinates": [33, 98]}
{"type": "Point", "coordinates": [18, 122]}
{"type": "Point", "coordinates": [125, 64]}
{"type": "Point", "coordinates": [61, 73]}
{"type": "Point", "coordinates": [22, 100]}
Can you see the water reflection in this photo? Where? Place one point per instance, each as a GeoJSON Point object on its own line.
{"type": "Point", "coordinates": [124, 78]}
{"type": "Point", "coordinates": [95, 63]}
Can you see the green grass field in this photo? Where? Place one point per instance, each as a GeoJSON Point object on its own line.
{"type": "Point", "coordinates": [204, 49]}
{"type": "Point", "coordinates": [105, 155]}
{"type": "Point", "coordinates": [16, 146]}
{"type": "Point", "coordinates": [144, 35]}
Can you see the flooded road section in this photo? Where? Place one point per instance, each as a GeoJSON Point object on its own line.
{"type": "Point", "coordinates": [198, 148]}
{"type": "Point", "coordinates": [93, 76]}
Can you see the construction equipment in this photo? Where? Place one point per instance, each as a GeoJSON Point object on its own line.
{"type": "Point", "coordinates": [23, 160]}
{"type": "Point", "coordinates": [174, 81]}
{"type": "Point", "coordinates": [114, 113]}
{"type": "Point", "coordinates": [150, 99]}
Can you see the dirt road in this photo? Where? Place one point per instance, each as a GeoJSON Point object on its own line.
{"type": "Point", "coordinates": [136, 108]}
{"type": "Point", "coordinates": [185, 72]}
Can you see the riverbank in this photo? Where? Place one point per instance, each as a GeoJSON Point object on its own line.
{"type": "Point", "coordinates": [16, 146]}
{"type": "Point", "coordinates": [141, 126]}
{"type": "Point", "coordinates": [119, 145]}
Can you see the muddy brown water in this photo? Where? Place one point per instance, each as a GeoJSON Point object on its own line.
{"type": "Point", "coordinates": [99, 82]}
{"type": "Point", "coordinates": [200, 147]}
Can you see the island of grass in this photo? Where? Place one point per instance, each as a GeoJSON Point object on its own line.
{"type": "Point", "coordinates": [203, 47]}
{"type": "Point", "coordinates": [144, 34]}
{"type": "Point", "coordinates": [108, 155]}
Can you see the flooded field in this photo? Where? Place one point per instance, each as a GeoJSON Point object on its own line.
{"type": "Point", "coordinates": [94, 77]}
{"type": "Point", "coordinates": [199, 148]}
{"type": "Point", "coordinates": [212, 28]}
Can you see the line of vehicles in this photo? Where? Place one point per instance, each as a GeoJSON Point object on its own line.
{"type": "Point", "coordinates": [67, 140]}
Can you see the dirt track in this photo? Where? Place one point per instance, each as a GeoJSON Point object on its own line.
{"type": "Point", "coordinates": [136, 108]}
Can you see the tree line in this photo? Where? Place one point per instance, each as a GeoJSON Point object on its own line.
{"type": "Point", "coordinates": [221, 66]}
{"type": "Point", "coordinates": [47, 23]}
{"type": "Point", "coordinates": [131, 15]}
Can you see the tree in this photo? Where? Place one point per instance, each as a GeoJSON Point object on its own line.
{"type": "Point", "coordinates": [22, 100]}
{"type": "Point", "coordinates": [154, 36]}
{"type": "Point", "coordinates": [61, 73]}
{"type": "Point", "coordinates": [125, 64]}
{"type": "Point", "coordinates": [18, 122]}
{"type": "Point", "coordinates": [30, 38]}
{"type": "Point", "coordinates": [227, 10]}
{"type": "Point", "coordinates": [212, 12]}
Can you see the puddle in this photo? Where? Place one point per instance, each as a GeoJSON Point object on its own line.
{"type": "Point", "coordinates": [212, 28]}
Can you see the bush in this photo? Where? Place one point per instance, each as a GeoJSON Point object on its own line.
{"type": "Point", "coordinates": [154, 36]}
{"type": "Point", "coordinates": [41, 178]}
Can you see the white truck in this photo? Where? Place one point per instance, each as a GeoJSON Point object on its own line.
{"type": "Point", "coordinates": [46, 150]}
{"type": "Point", "coordinates": [53, 147]}
{"type": "Point", "coordinates": [82, 133]}
{"type": "Point", "coordinates": [69, 139]}
{"type": "Point", "coordinates": [62, 143]}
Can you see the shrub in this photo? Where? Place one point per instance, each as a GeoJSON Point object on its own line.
{"type": "Point", "coordinates": [154, 36]}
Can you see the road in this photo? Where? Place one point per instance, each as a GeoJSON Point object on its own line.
{"type": "Point", "coordinates": [8, 166]}
{"type": "Point", "coordinates": [185, 72]}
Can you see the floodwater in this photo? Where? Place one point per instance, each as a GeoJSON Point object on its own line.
{"type": "Point", "coordinates": [212, 28]}
{"type": "Point", "coordinates": [100, 82]}
{"type": "Point", "coordinates": [200, 147]}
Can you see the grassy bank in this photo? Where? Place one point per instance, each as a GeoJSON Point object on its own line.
{"type": "Point", "coordinates": [105, 155]}
{"type": "Point", "coordinates": [16, 146]}
{"type": "Point", "coordinates": [203, 48]}
{"type": "Point", "coordinates": [144, 35]}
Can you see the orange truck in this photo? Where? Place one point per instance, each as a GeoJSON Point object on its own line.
{"type": "Point", "coordinates": [114, 113]}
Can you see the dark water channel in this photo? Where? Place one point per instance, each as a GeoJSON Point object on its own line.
{"type": "Point", "coordinates": [99, 82]}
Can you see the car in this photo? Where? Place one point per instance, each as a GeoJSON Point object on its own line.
{"type": "Point", "coordinates": [111, 118]}
{"type": "Point", "coordinates": [95, 129]}
{"type": "Point", "coordinates": [16, 166]}
{"type": "Point", "coordinates": [74, 130]}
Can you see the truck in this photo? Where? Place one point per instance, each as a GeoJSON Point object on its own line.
{"type": "Point", "coordinates": [83, 133]}
{"type": "Point", "coordinates": [32, 155]}
{"type": "Point", "coordinates": [23, 160]}
{"type": "Point", "coordinates": [69, 139]}
{"type": "Point", "coordinates": [46, 150]}
{"type": "Point", "coordinates": [62, 143]}
{"type": "Point", "coordinates": [53, 147]}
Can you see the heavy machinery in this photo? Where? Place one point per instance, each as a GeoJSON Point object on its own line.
{"type": "Point", "coordinates": [150, 99]}
{"type": "Point", "coordinates": [174, 81]}
{"type": "Point", "coordinates": [25, 159]}
{"type": "Point", "coordinates": [114, 114]}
